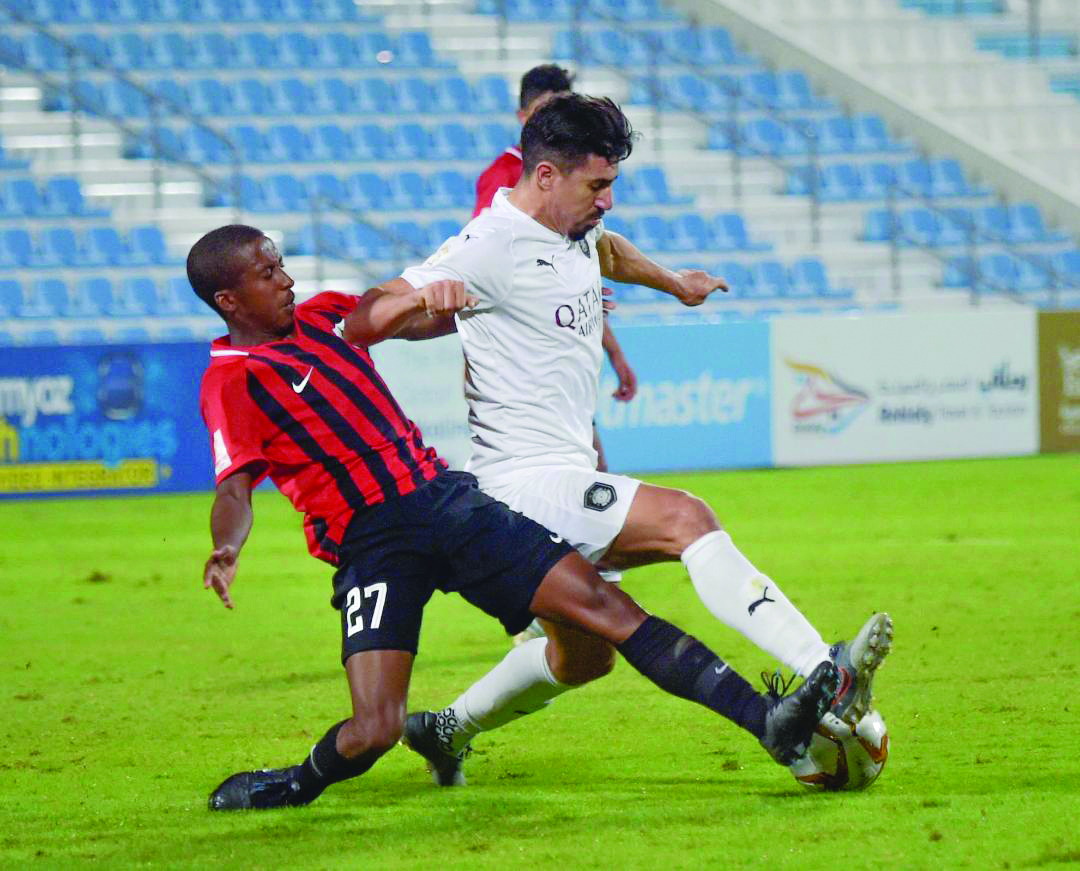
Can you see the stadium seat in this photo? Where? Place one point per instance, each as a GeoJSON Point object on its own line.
{"type": "Point", "coordinates": [211, 98]}
{"type": "Point", "coordinates": [879, 225]}
{"type": "Point", "coordinates": [49, 298]}
{"type": "Point", "coordinates": [491, 95]}
{"type": "Point", "coordinates": [451, 95]}
{"type": "Point", "coordinates": [493, 139]}
{"type": "Point", "coordinates": [729, 234]}
{"type": "Point", "coordinates": [328, 187]}
{"type": "Point", "coordinates": [370, 142]}
{"type": "Point", "coordinates": [452, 142]}
{"type": "Point", "coordinates": [408, 240]}
{"type": "Point", "coordinates": [441, 230]}
{"type": "Point", "coordinates": [21, 198]}
{"type": "Point", "coordinates": [332, 96]}
{"type": "Point", "coordinates": [367, 190]}
{"type": "Point", "coordinates": [407, 191]}
{"type": "Point", "coordinates": [330, 144]}
{"type": "Point", "coordinates": [11, 297]}
{"type": "Point", "coordinates": [739, 279]}
{"type": "Point", "coordinates": [94, 297]}
{"type": "Point", "coordinates": [651, 233]}
{"type": "Point", "coordinates": [363, 242]}
{"type": "Point", "coordinates": [102, 246]}
{"type": "Point", "coordinates": [688, 232]}
{"type": "Point", "coordinates": [373, 96]}
{"type": "Point", "coordinates": [287, 143]}
{"type": "Point", "coordinates": [57, 246]}
{"type": "Point", "coordinates": [147, 246]}
{"type": "Point", "coordinates": [449, 189]}
{"type": "Point", "coordinates": [251, 141]}
{"type": "Point", "coordinates": [408, 141]}
{"type": "Point", "coordinates": [770, 278]}
{"type": "Point", "coordinates": [16, 248]}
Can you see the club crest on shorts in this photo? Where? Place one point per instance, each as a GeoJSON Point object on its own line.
{"type": "Point", "coordinates": [600, 497]}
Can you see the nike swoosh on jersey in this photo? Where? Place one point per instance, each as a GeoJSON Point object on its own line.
{"type": "Point", "coordinates": [299, 388]}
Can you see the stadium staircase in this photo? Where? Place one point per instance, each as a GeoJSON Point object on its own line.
{"type": "Point", "coordinates": [353, 133]}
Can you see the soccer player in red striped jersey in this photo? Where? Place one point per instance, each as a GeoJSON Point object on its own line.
{"type": "Point", "coordinates": [292, 393]}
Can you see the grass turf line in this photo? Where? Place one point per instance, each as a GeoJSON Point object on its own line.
{"type": "Point", "coordinates": [129, 692]}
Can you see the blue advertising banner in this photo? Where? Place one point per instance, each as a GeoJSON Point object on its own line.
{"type": "Point", "coordinates": [703, 399]}
{"type": "Point", "coordinates": [110, 419]}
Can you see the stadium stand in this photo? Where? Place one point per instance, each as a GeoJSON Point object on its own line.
{"type": "Point", "coordinates": [355, 132]}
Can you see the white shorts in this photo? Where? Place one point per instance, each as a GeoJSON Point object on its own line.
{"type": "Point", "coordinates": [588, 509]}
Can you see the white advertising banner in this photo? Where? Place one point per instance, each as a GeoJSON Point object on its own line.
{"type": "Point", "coordinates": [427, 378]}
{"type": "Point", "coordinates": [904, 387]}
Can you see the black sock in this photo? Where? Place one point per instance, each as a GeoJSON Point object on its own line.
{"type": "Point", "coordinates": [325, 766]}
{"type": "Point", "coordinates": [683, 666]}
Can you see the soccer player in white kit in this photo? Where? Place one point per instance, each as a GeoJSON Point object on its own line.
{"type": "Point", "coordinates": [532, 345]}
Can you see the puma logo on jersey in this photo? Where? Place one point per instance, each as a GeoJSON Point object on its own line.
{"type": "Point", "coordinates": [299, 388]}
{"type": "Point", "coordinates": [540, 262]}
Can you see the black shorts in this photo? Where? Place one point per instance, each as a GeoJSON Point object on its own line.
{"type": "Point", "coordinates": [446, 536]}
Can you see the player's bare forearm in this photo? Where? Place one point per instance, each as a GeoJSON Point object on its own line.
{"type": "Point", "coordinates": [230, 523]}
{"type": "Point", "coordinates": [397, 309]}
{"type": "Point", "coordinates": [620, 260]}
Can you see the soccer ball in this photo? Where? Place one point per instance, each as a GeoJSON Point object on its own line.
{"type": "Point", "coordinates": [843, 756]}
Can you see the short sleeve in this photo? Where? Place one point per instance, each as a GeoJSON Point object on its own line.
{"type": "Point", "coordinates": [233, 421]}
{"type": "Point", "coordinates": [478, 256]}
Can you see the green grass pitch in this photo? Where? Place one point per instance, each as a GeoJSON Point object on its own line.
{"type": "Point", "coordinates": [128, 693]}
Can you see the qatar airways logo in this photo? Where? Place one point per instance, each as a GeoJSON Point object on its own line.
{"type": "Point", "coordinates": [582, 315]}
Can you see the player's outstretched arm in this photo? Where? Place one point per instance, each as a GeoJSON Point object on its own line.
{"type": "Point", "coordinates": [627, 388]}
{"type": "Point", "coordinates": [397, 309]}
{"type": "Point", "coordinates": [620, 260]}
{"type": "Point", "coordinates": [230, 523]}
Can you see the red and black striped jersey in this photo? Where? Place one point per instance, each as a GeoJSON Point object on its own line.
{"type": "Point", "coordinates": [311, 412]}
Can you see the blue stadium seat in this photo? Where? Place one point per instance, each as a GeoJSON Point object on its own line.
{"type": "Point", "coordinates": [128, 51]}
{"type": "Point", "coordinates": [251, 141]}
{"type": "Point", "coordinates": [409, 141]}
{"type": "Point", "coordinates": [615, 224]}
{"type": "Point", "coordinates": [441, 230]}
{"type": "Point", "coordinates": [870, 135]}
{"type": "Point", "coordinates": [256, 49]}
{"type": "Point", "coordinates": [16, 248]}
{"type": "Point", "coordinates": [688, 232]}
{"type": "Point", "coordinates": [210, 50]}
{"type": "Point", "coordinates": [94, 297]}
{"type": "Point", "coordinates": [367, 190]}
{"type": "Point", "coordinates": [256, 97]}
{"type": "Point", "coordinates": [452, 142]}
{"type": "Point", "coordinates": [63, 196]}
{"type": "Point", "coordinates": [370, 142]}
{"type": "Point", "coordinates": [327, 186]}
{"type": "Point", "coordinates": [210, 97]}
{"type": "Point", "coordinates": [651, 233]}
{"type": "Point", "coordinates": [298, 50]}
{"type": "Point", "coordinates": [451, 95]}
{"type": "Point", "coordinates": [168, 50]}
{"type": "Point", "coordinates": [332, 96]}
{"type": "Point", "coordinates": [412, 95]}
{"type": "Point", "coordinates": [493, 139]}
{"type": "Point", "coordinates": [329, 143]}
{"type": "Point", "coordinates": [11, 297]}
{"type": "Point", "coordinates": [102, 246]}
{"type": "Point", "coordinates": [807, 277]}
{"type": "Point", "coordinates": [407, 190]}
{"type": "Point", "coordinates": [287, 143]}
{"type": "Point", "coordinates": [409, 240]}
{"type": "Point", "coordinates": [374, 96]}
{"type": "Point", "coordinates": [140, 295]}
{"type": "Point", "coordinates": [173, 93]}
{"type": "Point", "coordinates": [57, 246]}
{"type": "Point", "coordinates": [842, 182]}
{"type": "Point", "coordinates": [177, 297]}
{"type": "Point", "coordinates": [877, 179]}
{"type": "Point", "coordinates": [414, 50]}
{"type": "Point", "coordinates": [650, 187]}
{"type": "Point", "coordinates": [449, 189]}
{"type": "Point", "coordinates": [371, 48]}
{"type": "Point", "coordinates": [739, 279]}
{"type": "Point", "coordinates": [284, 192]}
{"type": "Point", "coordinates": [729, 234]}
{"type": "Point", "coordinates": [362, 242]}
{"type": "Point", "coordinates": [1026, 225]}
{"type": "Point", "coordinates": [836, 135]}
{"type": "Point", "coordinates": [94, 47]}
{"type": "Point", "coordinates": [879, 226]}
{"type": "Point", "coordinates": [491, 95]}
{"type": "Point", "coordinates": [49, 298]}
{"type": "Point", "coordinates": [21, 198]}
{"type": "Point", "coordinates": [770, 278]}
{"type": "Point", "coordinates": [335, 50]}
{"type": "Point", "coordinates": [295, 96]}
{"type": "Point", "coordinates": [147, 246]}
{"type": "Point", "coordinates": [328, 241]}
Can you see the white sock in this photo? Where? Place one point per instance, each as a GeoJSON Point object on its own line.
{"type": "Point", "coordinates": [521, 684]}
{"type": "Point", "coordinates": [751, 603]}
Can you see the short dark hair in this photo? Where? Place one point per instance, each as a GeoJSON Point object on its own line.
{"type": "Point", "coordinates": [570, 127]}
{"type": "Point", "coordinates": [212, 264]}
{"type": "Point", "coordinates": [544, 79]}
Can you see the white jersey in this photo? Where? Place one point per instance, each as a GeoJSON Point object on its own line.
{"type": "Point", "coordinates": [532, 345]}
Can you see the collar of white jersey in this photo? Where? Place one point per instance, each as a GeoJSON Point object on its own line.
{"type": "Point", "coordinates": [500, 203]}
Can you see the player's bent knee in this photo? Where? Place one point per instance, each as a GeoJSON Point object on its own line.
{"type": "Point", "coordinates": [373, 733]}
{"type": "Point", "coordinates": [691, 518]}
{"type": "Point", "coordinates": [582, 666]}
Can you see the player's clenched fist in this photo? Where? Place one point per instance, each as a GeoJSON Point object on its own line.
{"type": "Point", "coordinates": [695, 285]}
{"type": "Point", "coordinates": [444, 297]}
